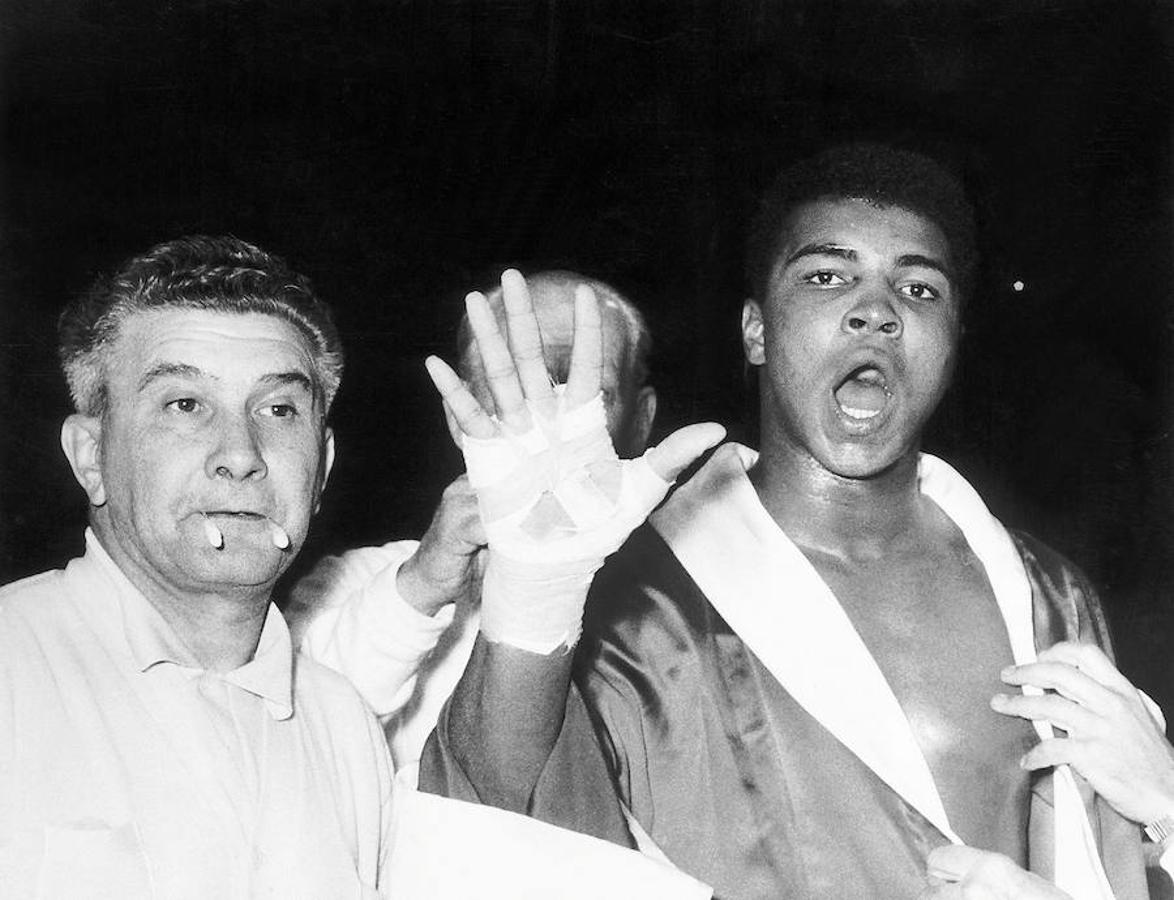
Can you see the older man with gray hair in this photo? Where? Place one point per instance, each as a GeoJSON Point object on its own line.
{"type": "Point", "coordinates": [400, 619]}
{"type": "Point", "coordinates": [157, 740]}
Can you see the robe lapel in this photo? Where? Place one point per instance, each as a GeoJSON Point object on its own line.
{"type": "Point", "coordinates": [772, 597]}
{"type": "Point", "coordinates": [1077, 866]}
{"type": "Point", "coordinates": [780, 607]}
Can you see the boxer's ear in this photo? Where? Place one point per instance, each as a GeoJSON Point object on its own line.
{"type": "Point", "coordinates": [753, 341]}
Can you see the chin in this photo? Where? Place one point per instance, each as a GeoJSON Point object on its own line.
{"type": "Point", "coordinates": [862, 462]}
{"type": "Point", "coordinates": [246, 569]}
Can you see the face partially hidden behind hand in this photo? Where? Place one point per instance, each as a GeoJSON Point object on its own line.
{"type": "Point", "coordinates": [449, 563]}
{"type": "Point", "coordinates": [630, 405]}
{"type": "Point", "coordinates": [214, 425]}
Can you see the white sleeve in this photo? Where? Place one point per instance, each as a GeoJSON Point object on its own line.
{"type": "Point", "coordinates": [348, 614]}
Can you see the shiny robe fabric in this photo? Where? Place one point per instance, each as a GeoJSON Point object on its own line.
{"type": "Point", "coordinates": [729, 775]}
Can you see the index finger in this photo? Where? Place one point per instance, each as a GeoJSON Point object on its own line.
{"type": "Point", "coordinates": [1057, 676]}
{"type": "Point", "coordinates": [586, 373]}
{"type": "Point", "coordinates": [1091, 660]}
{"type": "Point", "coordinates": [498, 363]}
{"type": "Point", "coordinates": [525, 339]}
{"type": "Point", "coordinates": [472, 419]}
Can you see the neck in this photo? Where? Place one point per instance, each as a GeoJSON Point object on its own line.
{"type": "Point", "coordinates": [850, 518]}
{"type": "Point", "coordinates": [221, 632]}
{"type": "Point", "coordinates": [220, 626]}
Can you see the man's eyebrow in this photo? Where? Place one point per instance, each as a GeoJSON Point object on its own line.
{"type": "Point", "coordinates": [821, 250]}
{"type": "Point", "coordinates": [910, 260]}
{"type": "Point", "coordinates": [186, 370]}
{"type": "Point", "coordinates": [169, 369]}
{"type": "Point", "coordinates": [294, 377]}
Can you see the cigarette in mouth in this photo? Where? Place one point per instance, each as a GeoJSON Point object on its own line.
{"type": "Point", "coordinates": [278, 535]}
{"type": "Point", "coordinates": [213, 534]}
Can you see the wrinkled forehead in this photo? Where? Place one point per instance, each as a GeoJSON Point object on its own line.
{"type": "Point", "coordinates": [861, 224]}
{"type": "Point", "coordinates": [223, 345]}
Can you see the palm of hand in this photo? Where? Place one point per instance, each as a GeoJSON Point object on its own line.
{"type": "Point", "coordinates": [549, 485]}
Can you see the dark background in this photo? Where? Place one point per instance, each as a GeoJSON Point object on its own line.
{"type": "Point", "coordinates": [401, 152]}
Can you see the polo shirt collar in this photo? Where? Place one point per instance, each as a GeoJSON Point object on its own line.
{"type": "Point", "coordinates": [152, 641]}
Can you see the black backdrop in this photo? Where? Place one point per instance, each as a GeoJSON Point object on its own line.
{"type": "Point", "coordinates": [401, 152]}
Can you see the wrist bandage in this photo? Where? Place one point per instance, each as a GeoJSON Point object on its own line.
{"type": "Point", "coordinates": [555, 502]}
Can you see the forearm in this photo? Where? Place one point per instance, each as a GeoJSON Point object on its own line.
{"type": "Point", "coordinates": [505, 718]}
{"type": "Point", "coordinates": [359, 625]}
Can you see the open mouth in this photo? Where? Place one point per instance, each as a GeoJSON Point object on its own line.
{"type": "Point", "coordinates": [863, 394]}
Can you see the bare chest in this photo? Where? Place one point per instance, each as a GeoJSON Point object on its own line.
{"type": "Point", "coordinates": [931, 622]}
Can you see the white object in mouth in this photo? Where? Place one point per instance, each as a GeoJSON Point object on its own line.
{"type": "Point", "coordinates": [213, 534]}
{"type": "Point", "coordinates": [278, 535]}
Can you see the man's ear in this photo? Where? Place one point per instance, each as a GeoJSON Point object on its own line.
{"type": "Point", "coordinates": [81, 439]}
{"type": "Point", "coordinates": [753, 342]}
{"type": "Point", "coordinates": [642, 417]}
{"type": "Point", "coordinates": [327, 465]}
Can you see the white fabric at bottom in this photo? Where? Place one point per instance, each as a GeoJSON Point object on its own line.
{"type": "Point", "coordinates": [128, 770]}
{"type": "Point", "coordinates": [444, 849]}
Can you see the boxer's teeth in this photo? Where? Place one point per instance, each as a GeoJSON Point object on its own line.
{"type": "Point", "coordinates": [854, 413]}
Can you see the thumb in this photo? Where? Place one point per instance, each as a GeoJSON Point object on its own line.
{"type": "Point", "coordinates": [672, 455]}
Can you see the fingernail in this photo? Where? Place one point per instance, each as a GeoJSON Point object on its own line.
{"type": "Point", "coordinates": [1007, 672]}
{"type": "Point", "coordinates": [998, 700]}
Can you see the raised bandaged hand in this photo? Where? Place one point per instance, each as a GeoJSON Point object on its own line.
{"type": "Point", "coordinates": [553, 496]}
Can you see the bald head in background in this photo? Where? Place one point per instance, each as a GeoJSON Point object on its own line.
{"type": "Point", "coordinates": [629, 401]}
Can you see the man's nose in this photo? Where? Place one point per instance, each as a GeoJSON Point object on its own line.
{"type": "Point", "coordinates": [873, 313]}
{"type": "Point", "coordinates": [237, 454]}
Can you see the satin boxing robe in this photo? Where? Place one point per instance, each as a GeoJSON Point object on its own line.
{"type": "Point", "coordinates": [674, 722]}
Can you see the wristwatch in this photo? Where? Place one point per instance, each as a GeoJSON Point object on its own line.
{"type": "Point", "coordinates": [1160, 829]}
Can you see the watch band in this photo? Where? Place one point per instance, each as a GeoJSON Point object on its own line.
{"type": "Point", "coordinates": [1160, 829]}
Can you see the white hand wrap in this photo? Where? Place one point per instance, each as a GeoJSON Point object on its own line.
{"type": "Point", "coordinates": [555, 502]}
